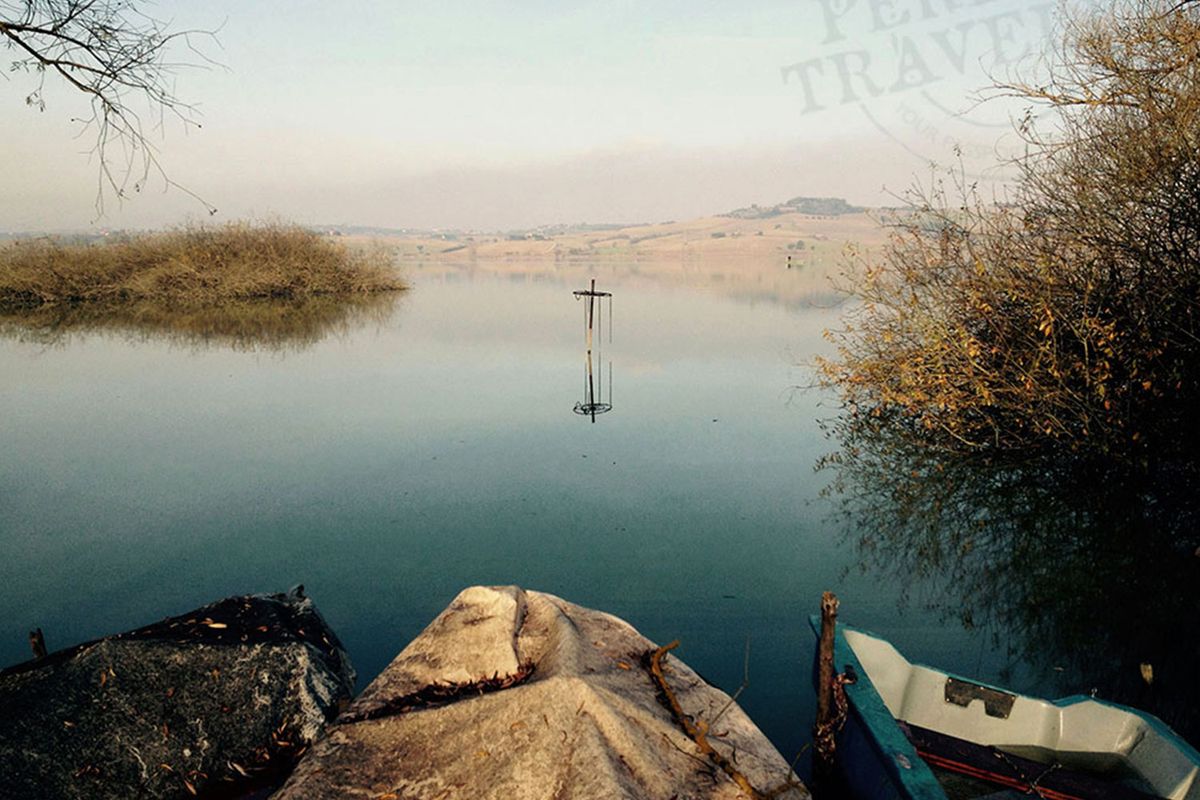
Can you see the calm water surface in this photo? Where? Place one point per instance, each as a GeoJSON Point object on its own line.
{"type": "Point", "coordinates": [391, 465]}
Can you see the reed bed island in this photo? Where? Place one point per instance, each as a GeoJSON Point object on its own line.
{"type": "Point", "coordinates": [242, 284]}
{"type": "Point", "coordinates": [192, 266]}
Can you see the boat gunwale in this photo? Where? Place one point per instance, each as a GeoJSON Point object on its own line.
{"type": "Point", "coordinates": [868, 706]}
{"type": "Point", "coordinates": [887, 740]}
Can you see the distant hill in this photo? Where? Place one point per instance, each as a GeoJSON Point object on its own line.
{"type": "Point", "coordinates": [816, 206]}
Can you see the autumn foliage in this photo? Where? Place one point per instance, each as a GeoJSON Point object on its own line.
{"type": "Point", "coordinates": [1065, 319]}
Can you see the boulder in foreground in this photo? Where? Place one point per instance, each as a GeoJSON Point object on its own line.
{"type": "Point", "coordinates": [515, 695]}
{"type": "Point", "coordinates": [201, 703]}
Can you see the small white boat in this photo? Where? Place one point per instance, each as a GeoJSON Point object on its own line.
{"type": "Point", "coordinates": [912, 731]}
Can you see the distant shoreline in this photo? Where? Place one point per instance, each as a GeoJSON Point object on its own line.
{"type": "Point", "coordinates": [806, 238]}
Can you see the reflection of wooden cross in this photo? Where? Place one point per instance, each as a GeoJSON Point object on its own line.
{"type": "Point", "coordinates": [590, 407]}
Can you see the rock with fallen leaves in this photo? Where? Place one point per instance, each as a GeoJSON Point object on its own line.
{"type": "Point", "coordinates": [211, 702]}
{"type": "Point", "coordinates": [520, 695]}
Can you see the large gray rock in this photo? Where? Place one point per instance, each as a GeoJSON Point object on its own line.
{"type": "Point", "coordinates": [221, 697]}
{"type": "Point", "coordinates": [516, 694]}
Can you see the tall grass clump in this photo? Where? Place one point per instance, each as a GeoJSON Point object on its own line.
{"type": "Point", "coordinates": [191, 267]}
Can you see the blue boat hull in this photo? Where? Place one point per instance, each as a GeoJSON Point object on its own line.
{"type": "Point", "coordinates": [874, 759]}
{"type": "Point", "coordinates": [954, 718]}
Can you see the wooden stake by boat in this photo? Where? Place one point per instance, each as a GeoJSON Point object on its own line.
{"type": "Point", "coordinates": [823, 730]}
{"type": "Point", "coordinates": [38, 643]}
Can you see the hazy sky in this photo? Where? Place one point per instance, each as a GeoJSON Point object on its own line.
{"type": "Point", "coordinates": [496, 115]}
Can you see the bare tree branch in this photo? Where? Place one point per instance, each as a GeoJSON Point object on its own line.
{"type": "Point", "coordinates": [117, 56]}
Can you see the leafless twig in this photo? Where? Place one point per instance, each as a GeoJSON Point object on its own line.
{"type": "Point", "coordinates": [120, 58]}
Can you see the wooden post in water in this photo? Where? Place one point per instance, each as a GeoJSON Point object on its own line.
{"type": "Point", "coordinates": [823, 730]}
{"type": "Point", "coordinates": [591, 395]}
{"type": "Point", "coordinates": [590, 407]}
{"type": "Point", "coordinates": [591, 296]}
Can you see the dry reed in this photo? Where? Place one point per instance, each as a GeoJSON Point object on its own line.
{"type": "Point", "coordinates": [192, 266]}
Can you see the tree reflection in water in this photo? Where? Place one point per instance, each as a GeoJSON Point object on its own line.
{"type": "Point", "coordinates": [1088, 569]}
{"type": "Point", "coordinates": [267, 324]}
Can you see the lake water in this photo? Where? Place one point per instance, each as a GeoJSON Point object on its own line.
{"type": "Point", "coordinates": [392, 464]}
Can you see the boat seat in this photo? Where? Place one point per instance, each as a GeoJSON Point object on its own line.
{"type": "Point", "coordinates": [1020, 776]}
